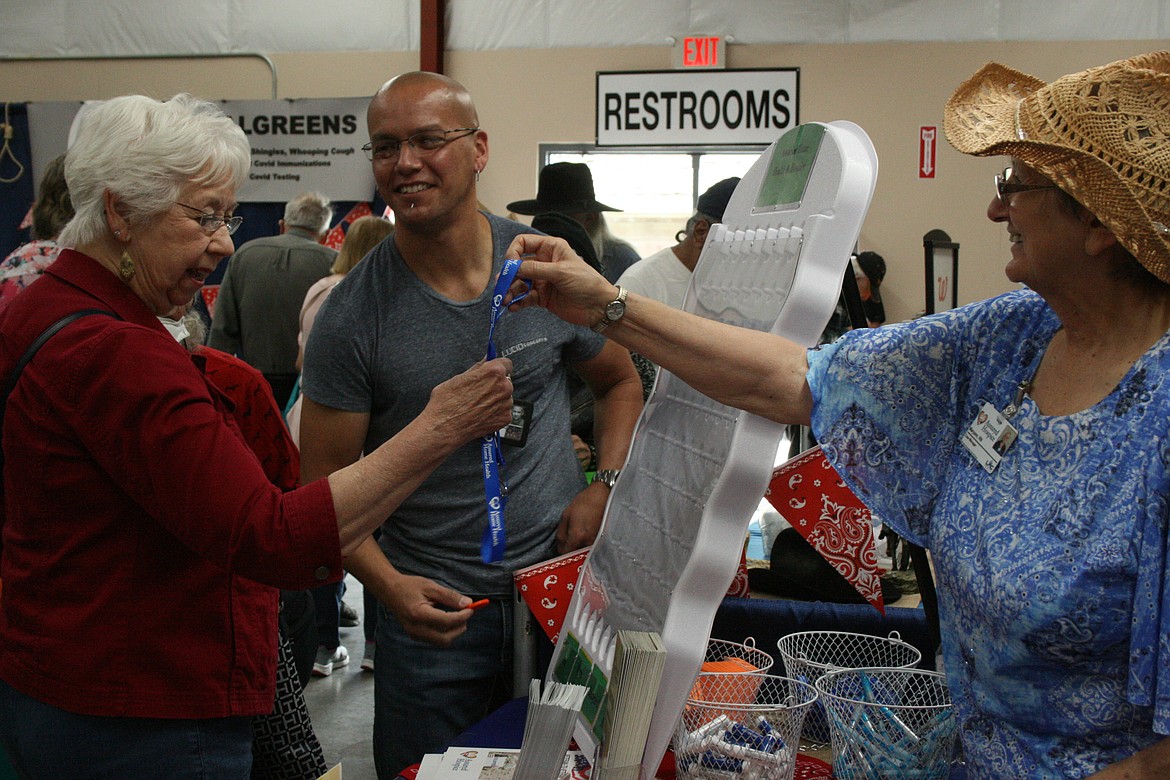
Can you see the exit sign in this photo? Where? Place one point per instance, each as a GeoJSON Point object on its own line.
{"type": "Point", "coordinates": [700, 51]}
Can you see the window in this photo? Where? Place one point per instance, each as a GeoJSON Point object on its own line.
{"type": "Point", "coordinates": [656, 189]}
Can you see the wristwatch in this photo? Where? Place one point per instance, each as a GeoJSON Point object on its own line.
{"type": "Point", "coordinates": [613, 310]}
{"type": "Point", "coordinates": [608, 477]}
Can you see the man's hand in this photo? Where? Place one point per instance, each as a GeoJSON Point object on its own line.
{"type": "Point", "coordinates": [473, 404]}
{"type": "Point", "coordinates": [582, 451]}
{"type": "Point", "coordinates": [428, 611]}
{"type": "Point", "coordinates": [581, 519]}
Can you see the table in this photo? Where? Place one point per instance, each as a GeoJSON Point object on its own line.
{"type": "Point", "coordinates": [504, 728]}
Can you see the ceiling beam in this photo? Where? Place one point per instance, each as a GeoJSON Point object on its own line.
{"type": "Point", "coordinates": [432, 37]}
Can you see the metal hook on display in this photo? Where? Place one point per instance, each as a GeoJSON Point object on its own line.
{"type": "Point", "coordinates": [6, 150]}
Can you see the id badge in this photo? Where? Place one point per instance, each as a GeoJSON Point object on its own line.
{"type": "Point", "coordinates": [515, 433]}
{"type": "Point", "coordinates": [989, 437]}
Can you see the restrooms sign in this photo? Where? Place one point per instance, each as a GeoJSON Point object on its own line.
{"type": "Point", "coordinates": [696, 108]}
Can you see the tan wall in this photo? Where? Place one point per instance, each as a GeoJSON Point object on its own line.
{"type": "Point", "coordinates": [526, 97]}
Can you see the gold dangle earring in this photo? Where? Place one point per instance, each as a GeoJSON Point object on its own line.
{"type": "Point", "coordinates": [126, 268]}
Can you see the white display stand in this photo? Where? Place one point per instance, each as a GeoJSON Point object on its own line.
{"type": "Point", "coordinates": [676, 520]}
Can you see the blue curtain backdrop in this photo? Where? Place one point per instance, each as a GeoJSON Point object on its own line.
{"type": "Point", "coordinates": [15, 197]}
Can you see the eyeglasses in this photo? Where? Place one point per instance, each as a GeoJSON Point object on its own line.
{"type": "Point", "coordinates": [213, 222]}
{"type": "Point", "coordinates": [1004, 187]}
{"type": "Point", "coordinates": [425, 142]}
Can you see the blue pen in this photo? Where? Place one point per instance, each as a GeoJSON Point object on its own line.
{"type": "Point", "coordinates": [885, 710]}
{"type": "Point", "coordinates": [740, 734]}
{"type": "Point", "coordinates": [712, 760]}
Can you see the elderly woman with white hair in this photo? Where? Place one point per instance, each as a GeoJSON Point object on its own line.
{"type": "Point", "coordinates": [1025, 440]}
{"type": "Point", "coordinates": [141, 545]}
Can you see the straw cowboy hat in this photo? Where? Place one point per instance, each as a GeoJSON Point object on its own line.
{"type": "Point", "coordinates": [564, 187]}
{"type": "Point", "coordinates": [1102, 135]}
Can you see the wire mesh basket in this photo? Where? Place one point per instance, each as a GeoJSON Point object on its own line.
{"type": "Point", "coordinates": [748, 727]}
{"type": "Point", "coordinates": [722, 650]}
{"type": "Point", "coordinates": [731, 658]}
{"type": "Point", "coordinates": [889, 723]}
{"type": "Point", "coordinates": [809, 654]}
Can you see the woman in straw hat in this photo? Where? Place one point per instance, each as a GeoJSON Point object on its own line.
{"type": "Point", "coordinates": [1051, 551]}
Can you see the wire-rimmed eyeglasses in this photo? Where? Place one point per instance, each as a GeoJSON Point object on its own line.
{"type": "Point", "coordinates": [213, 222]}
{"type": "Point", "coordinates": [1004, 187]}
{"type": "Point", "coordinates": [425, 142]}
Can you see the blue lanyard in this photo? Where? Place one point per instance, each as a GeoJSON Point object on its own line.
{"type": "Point", "coordinates": [491, 548]}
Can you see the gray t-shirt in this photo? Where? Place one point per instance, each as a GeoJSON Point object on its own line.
{"type": "Point", "coordinates": [383, 340]}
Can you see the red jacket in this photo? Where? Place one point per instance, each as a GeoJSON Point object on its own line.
{"type": "Point", "coordinates": [255, 411]}
{"type": "Point", "coordinates": [137, 521]}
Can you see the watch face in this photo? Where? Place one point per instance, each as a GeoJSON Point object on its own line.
{"type": "Point", "coordinates": [614, 310]}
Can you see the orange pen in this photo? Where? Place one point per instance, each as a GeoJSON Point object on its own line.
{"type": "Point", "coordinates": [478, 604]}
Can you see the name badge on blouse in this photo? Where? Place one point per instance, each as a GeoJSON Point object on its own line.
{"type": "Point", "coordinates": [989, 437]}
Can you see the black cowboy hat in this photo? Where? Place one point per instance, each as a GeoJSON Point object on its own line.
{"type": "Point", "coordinates": [564, 187]}
{"type": "Point", "coordinates": [797, 571]}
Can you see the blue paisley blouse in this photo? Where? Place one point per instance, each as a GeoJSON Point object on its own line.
{"type": "Point", "coordinates": [1051, 570]}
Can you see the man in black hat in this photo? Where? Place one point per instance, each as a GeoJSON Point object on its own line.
{"type": "Point", "coordinates": [567, 188]}
{"type": "Point", "coordinates": [666, 274]}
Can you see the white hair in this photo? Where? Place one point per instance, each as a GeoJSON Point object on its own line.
{"type": "Point", "coordinates": [145, 152]}
{"type": "Point", "coordinates": [309, 210]}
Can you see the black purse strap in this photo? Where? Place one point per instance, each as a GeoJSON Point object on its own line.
{"type": "Point", "coordinates": [48, 333]}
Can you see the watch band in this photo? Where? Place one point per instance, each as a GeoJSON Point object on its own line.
{"type": "Point", "coordinates": [613, 311]}
{"type": "Point", "coordinates": [608, 477]}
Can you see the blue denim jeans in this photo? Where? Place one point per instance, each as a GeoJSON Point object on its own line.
{"type": "Point", "coordinates": [327, 603]}
{"type": "Point", "coordinates": [369, 615]}
{"type": "Point", "coordinates": [44, 741]}
{"type": "Point", "coordinates": [425, 696]}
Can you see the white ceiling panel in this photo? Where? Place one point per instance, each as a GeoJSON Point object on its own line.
{"type": "Point", "coordinates": [775, 21]}
{"type": "Point", "coordinates": [310, 25]}
{"type": "Point", "coordinates": [614, 23]}
{"type": "Point", "coordinates": [75, 28]}
{"type": "Point", "coordinates": [133, 27]}
{"type": "Point", "coordinates": [485, 25]}
{"type": "Point", "coordinates": [878, 21]}
{"type": "Point", "coordinates": [1057, 20]}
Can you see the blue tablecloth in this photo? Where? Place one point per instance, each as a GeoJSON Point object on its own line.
{"type": "Point", "coordinates": [504, 728]}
